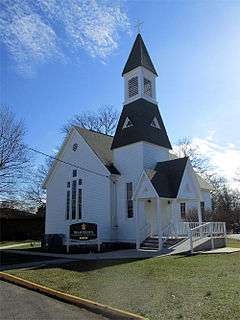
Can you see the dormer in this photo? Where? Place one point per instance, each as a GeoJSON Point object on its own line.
{"type": "Point", "coordinates": [139, 74]}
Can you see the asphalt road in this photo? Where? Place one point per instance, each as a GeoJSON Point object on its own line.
{"type": "Point", "coordinates": [17, 303]}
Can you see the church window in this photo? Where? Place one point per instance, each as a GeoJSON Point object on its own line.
{"type": "Point", "coordinates": [68, 205]}
{"type": "Point", "coordinates": [155, 123]}
{"type": "Point", "coordinates": [147, 87]}
{"type": "Point", "coordinates": [183, 210]}
{"type": "Point", "coordinates": [74, 194]}
{"type": "Point", "coordinates": [74, 173]}
{"type": "Point", "coordinates": [79, 203]}
{"type": "Point", "coordinates": [127, 123]}
{"type": "Point", "coordinates": [129, 200]}
{"type": "Point", "coordinates": [202, 205]}
{"type": "Point", "coordinates": [133, 87]}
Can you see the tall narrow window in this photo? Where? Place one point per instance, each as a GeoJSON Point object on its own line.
{"type": "Point", "coordinates": [183, 210]}
{"type": "Point", "coordinates": [133, 87]}
{"type": "Point", "coordinates": [202, 205]}
{"type": "Point", "coordinates": [68, 205]}
{"type": "Point", "coordinates": [147, 87]}
{"type": "Point", "coordinates": [74, 173]}
{"type": "Point", "coordinates": [129, 200]}
{"type": "Point", "coordinates": [74, 194]}
{"type": "Point", "coordinates": [79, 203]}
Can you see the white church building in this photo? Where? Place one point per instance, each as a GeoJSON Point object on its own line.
{"type": "Point", "coordinates": [126, 188]}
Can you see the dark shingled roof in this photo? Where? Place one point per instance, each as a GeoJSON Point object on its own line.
{"type": "Point", "coordinates": [139, 57]}
{"type": "Point", "coordinates": [101, 145]}
{"type": "Point", "coordinates": [168, 177]}
{"type": "Point", "coordinates": [141, 113]}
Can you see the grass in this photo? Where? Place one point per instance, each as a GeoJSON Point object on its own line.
{"type": "Point", "coordinates": [25, 244]}
{"type": "Point", "coordinates": [7, 258]}
{"type": "Point", "coordinates": [196, 287]}
{"type": "Point", "coordinates": [233, 243]}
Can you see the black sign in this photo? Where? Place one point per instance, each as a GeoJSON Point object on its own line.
{"type": "Point", "coordinates": [83, 231]}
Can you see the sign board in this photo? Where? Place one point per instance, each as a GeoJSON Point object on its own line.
{"type": "Point", "coordinates": [83, 231]}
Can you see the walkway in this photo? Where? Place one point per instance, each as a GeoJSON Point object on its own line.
{"type": "Point", "coordinates": [19, 304]}
{"type": "Point", "coordinates": [221, 250]}
{"type": "Point", "coordinates": [117, 254]}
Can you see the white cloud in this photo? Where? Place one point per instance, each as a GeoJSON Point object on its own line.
{"type": "Point", "coordinates": [224, 158]}
{"type": "Point", "coordinates": [35, 32]}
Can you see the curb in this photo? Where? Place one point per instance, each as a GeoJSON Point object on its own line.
{"type": "Point", "coordinates": [90, 305]}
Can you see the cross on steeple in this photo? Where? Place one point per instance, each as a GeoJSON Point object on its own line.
{"type": "Point", "coordinates": [138, 25]}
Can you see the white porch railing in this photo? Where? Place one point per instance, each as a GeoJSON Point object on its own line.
{"type": "Point", "coordinates": [186, 230]}
{"type": "Point", "coordinates": [181, 229]}
{"type": "Point", "coordinates": [144, 232]}
{"type": "Point", "coordinates": [209, 229]}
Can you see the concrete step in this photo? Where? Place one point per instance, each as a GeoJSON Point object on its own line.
{"type": "Point", "coordinates": [148, 248]}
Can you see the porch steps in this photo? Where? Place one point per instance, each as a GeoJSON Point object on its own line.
{"type": "Point", "coordinates": [151, 244]}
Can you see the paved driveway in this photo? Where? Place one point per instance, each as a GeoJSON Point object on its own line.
{"type": "Point", "coordinates": [17, 303]}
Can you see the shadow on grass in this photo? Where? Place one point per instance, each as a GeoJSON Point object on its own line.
{"type": "Point", "coordinates": [85, 265]}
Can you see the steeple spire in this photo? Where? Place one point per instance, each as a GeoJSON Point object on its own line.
{"type": "Point", "coordinates": [139, 57]}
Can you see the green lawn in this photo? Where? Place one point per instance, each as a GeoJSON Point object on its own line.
{"type": "Point", "coordinates": [196, 287]}
{"type": "Point", "coordinates": [24, 244]}
{"type": "Point", "coordinates": [233, 243]}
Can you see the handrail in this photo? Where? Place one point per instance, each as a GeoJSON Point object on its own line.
{"type": "Point", "coordinates": [142, 234]}
{"type": "Point", "coordinates": [209, 229]}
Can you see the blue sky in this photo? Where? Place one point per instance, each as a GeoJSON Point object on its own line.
{"type": "Point", "coordinates": [58, 60]}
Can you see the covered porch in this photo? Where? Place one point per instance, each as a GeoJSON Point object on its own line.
{"type": "Point", "coordinates": [159, 217]}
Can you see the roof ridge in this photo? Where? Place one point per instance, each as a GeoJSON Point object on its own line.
{"type": "Point", "coordinates": [94, 131]}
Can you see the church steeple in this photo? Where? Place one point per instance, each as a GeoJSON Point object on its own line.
{"type": "Point", "coordinates": [139, 74]}
{"type": "Point", "coordinates": [140, 119]}
{"type": "Point", "coordinates": [139, 57]}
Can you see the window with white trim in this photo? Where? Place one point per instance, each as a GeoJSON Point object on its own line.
{"type": "Point", "coordinates": [74, 198]}
{"type": "Point", "coordinates": [68, 205]}
{"type": "Point", "coordinates": [79, 203]}
{"type": "Point", "coordinates": [132, 87]}
{"type": "Point", "coordinates": [183, 210]}
{"type": "Point", "coordinates": [147, 87]}
{"type": "Point", "coordinates": [202, 205]}
{"type": "Point", "coordinates": [129, 199]}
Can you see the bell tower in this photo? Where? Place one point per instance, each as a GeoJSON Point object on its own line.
{"type": "Point", "coordinates": [139, 74]}
{"type": "Point", "coordinates": [140, 139]}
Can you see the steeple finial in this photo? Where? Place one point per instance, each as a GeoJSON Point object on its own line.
{"type": "Point", "coordinates": [138, 25]}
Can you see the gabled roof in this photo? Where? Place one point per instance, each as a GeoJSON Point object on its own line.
{"type": "Point", "coordinates": [101, 144]}
{"type": "Point", "coordinates": [167, 176]}
{"type": "Point", "coordinates": [139, 57]}
{"type": "Point", "coordinates": [141, 114]}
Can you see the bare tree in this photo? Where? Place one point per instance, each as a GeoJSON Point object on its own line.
{"type": "Point", "coordinates": [34, 195]}
{"type": "Point", "coordinates": [13, 152]}
{"type": "Point", "coordinates": [199, 162]}
{"type": "Point", "coordinates": [104, 120]}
